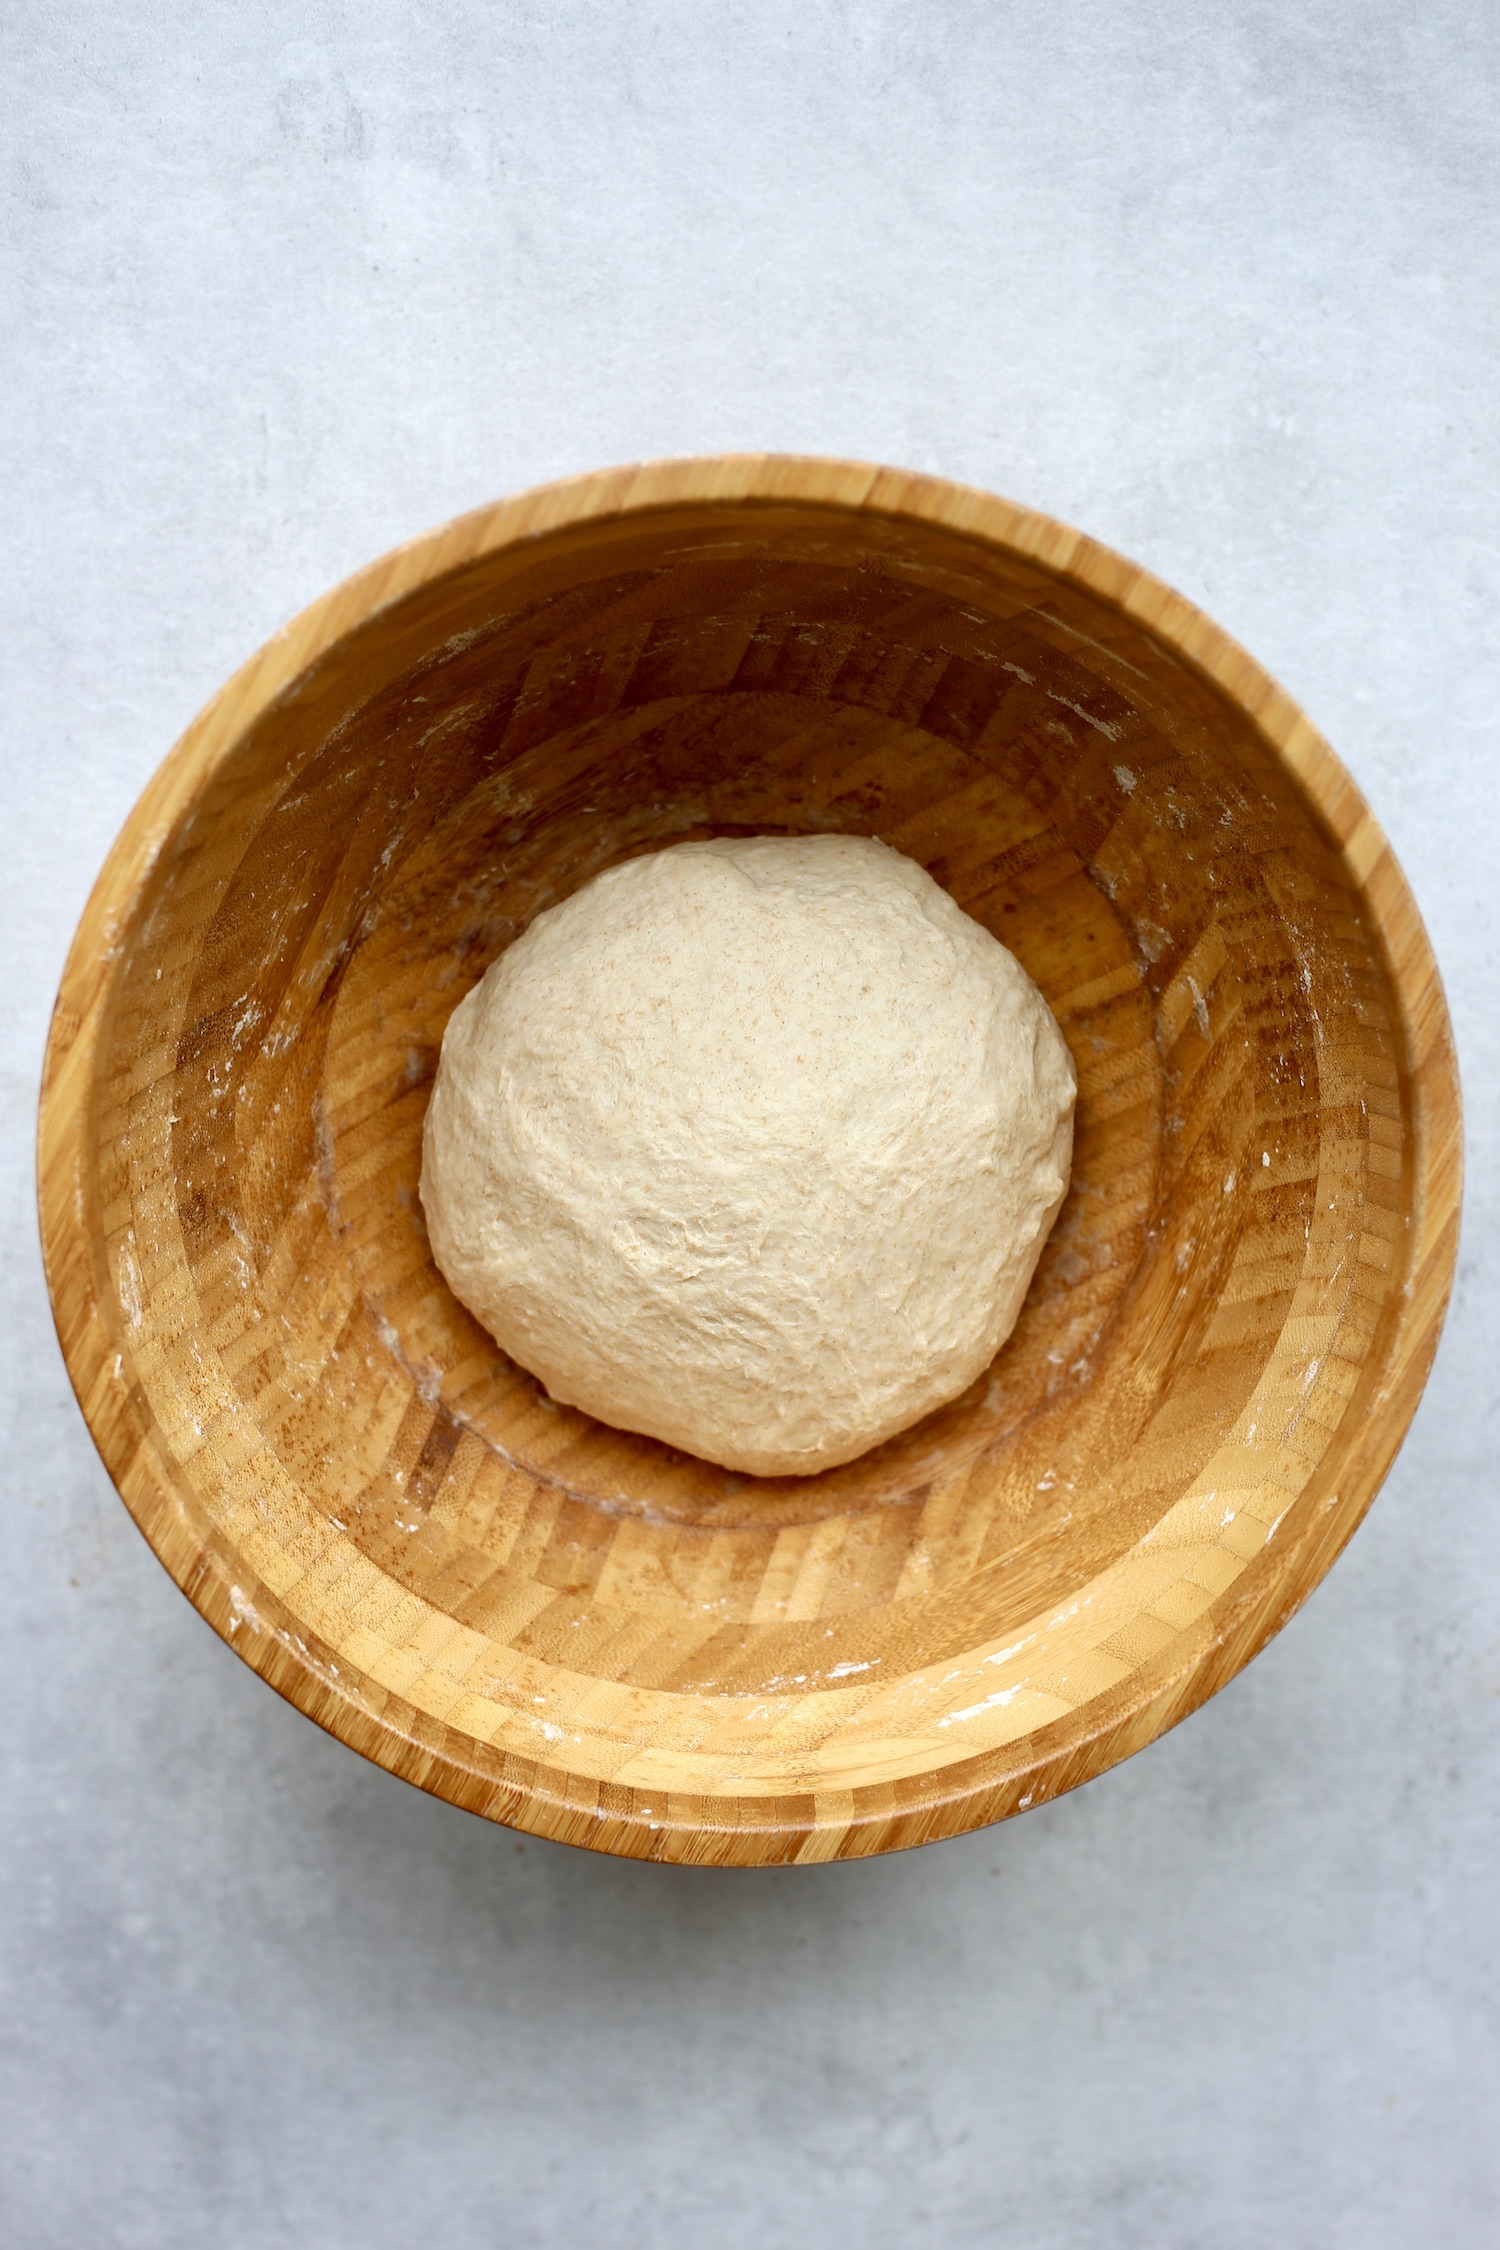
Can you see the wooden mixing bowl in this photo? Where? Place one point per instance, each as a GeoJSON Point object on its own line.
{"type": "Point", "coordinates": [584, 1633]}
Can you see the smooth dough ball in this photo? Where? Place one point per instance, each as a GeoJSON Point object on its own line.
{"type": "Point", "coordinates": [752, 1146]}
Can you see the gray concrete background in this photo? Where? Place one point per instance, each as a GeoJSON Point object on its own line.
{"type": "Point", "coordinates": [283, 284]}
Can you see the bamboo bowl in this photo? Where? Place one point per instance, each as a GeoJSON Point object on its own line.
{"type": "Point", "coordinates": [586, 1634]}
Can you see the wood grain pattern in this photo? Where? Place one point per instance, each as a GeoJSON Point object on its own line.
{"type": "Point", "coordinates": [585, 1633]}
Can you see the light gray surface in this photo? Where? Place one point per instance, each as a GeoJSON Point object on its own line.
{"type": "Point", "coordinates": [284, 284]}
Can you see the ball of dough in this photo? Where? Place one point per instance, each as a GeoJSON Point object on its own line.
{"type": "Point", "coordinates": [751, 1145]}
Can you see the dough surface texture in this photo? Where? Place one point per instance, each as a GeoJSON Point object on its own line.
{"type": "Point", "coordinates": [752, 1146]}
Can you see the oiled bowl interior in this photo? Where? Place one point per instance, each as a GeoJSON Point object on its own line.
{"type": "Point", "coordinates": [556, 1614]}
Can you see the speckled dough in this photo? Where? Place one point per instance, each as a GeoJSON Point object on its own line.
{"type": "Point", "coordinates": [751, 1145]}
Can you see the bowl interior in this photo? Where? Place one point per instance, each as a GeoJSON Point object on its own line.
{"type": "Point", "coordinates": [584, 1629]}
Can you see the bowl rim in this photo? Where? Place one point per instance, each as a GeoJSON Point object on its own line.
{"type": "Point", "coordinates": [949, 1801]}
